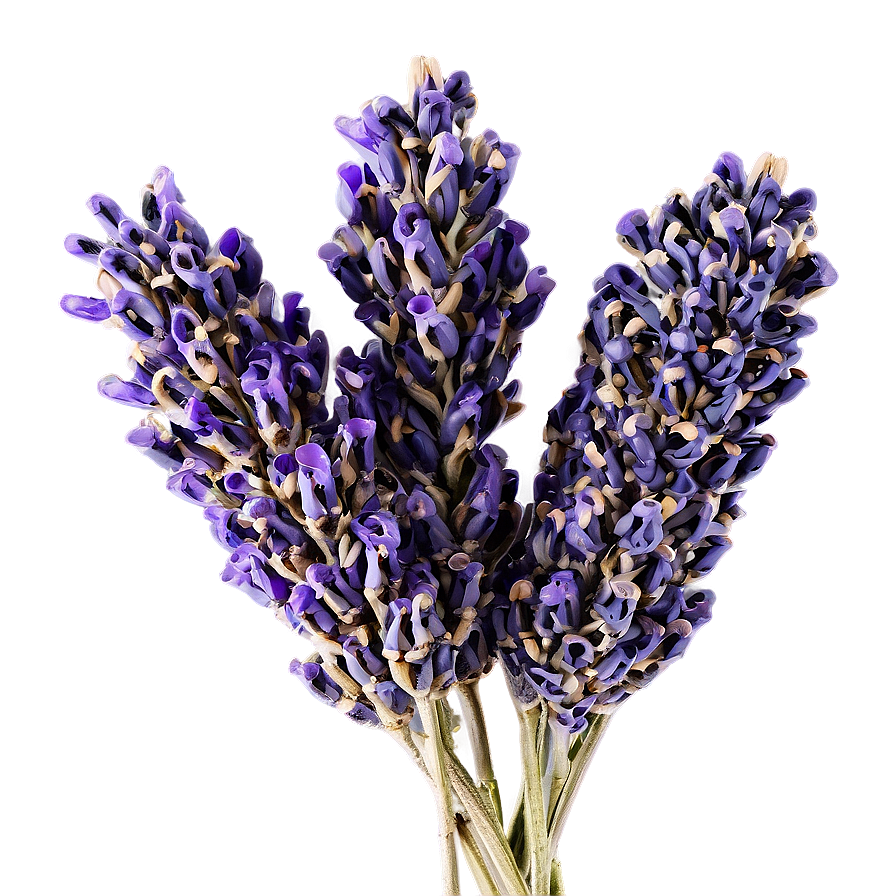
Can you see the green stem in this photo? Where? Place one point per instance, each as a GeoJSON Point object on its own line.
{"type": "Point", "coordinates": [516, 833]}
{"type": "Point", "coordinates": [577, 769]}
{"type": "Point", "coordinates": [558, 888]}
{"type": "Point", "coordinates": [434, 748]}
{"type": "Point", "coordinates": [560, 769]}
{"type": "Point", "coordinates": [517, 830]}
{"type": "Point", "coordinates": [466, 832]}
{"type": "Point", "coordinates": [536, 816]}
{"type": "Point", "coordinates": [475, 859]}
{"type": "Point", "coordinates": [482, 817]}
{"type": "Point", "coordinates": [471, 707]}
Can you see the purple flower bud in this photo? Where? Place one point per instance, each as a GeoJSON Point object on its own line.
{"type": "Point", "coordinates": [641, 529]}
{"type": "Point", "coordinates": [464, 410]}
{"type": "Point", "coordinates": [132, 393]}
{"type": "Point", "coordinates": [306, 610]}
{"type": "Point", "coordinates": [525, 312]}
{"type": "Point", "coordinates": [248, 568]}
{"type": "Point", "coordinates": [176, 223]}
{"type": "Point", "coordinates": [413, 231]}
{"type": "Point", "coordinates": [428, 320]}
{"type": "Point", "coordinates": [379, 534]}
{"type": "Point", "coordinates": [141, 316]}
{"type": "Point", "coordinates": [107, 212]}
{"type": "Point", "coordinates": [84, 247]}
{"type": "Point", "coordinates": [316, 485]}
{"type": "Point", "coordinates": [85, 308]}
{"type": "Point", "coordinates": [351, 178]}
{"type": "Point", "coordinates": [194, 481]}
{"type": "Point", "coordinates": [239, 248]}
{"type": "Point", "coordinates": [709, 554]}
{"type": "Point", "coordinates": [157, 440]}
{"type": "Point", "coordinates": [395, 699]}
{"type": "Point", "coordinates": [188, 262]}
{"type": "Point", "coordinates": [226, 527]}
{"type": "Point", "coordinates": [434, 116]}
{"type": "Point", "coordinates": [774, 328]}
{"type": "Point", "coordinates": [559, 605]}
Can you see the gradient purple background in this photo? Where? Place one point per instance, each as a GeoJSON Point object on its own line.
{"type": "Point", "coordinates": [152, 740]}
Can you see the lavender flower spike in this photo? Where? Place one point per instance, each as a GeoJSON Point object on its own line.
{"type": "Point", "coordinates": [683, 357]}
{"type": "Point", "coordinates": [439, 277]}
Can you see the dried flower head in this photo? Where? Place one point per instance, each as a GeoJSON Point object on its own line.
{"type": "Point", "coordinates": [684, 356]}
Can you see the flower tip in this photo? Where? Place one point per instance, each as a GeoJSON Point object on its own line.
{"type": "Point", "coordinates": [420, 70]}
{"type": "Point", "coordinates": [96, 202]}
{"type": "Point", "coordinates": [230, 241]}
{"type": "Point", "coordinates": [162, 172]}
{"type": "Point", "coordinates": [330, 252]}
{"type": "Point", "coordinates": [769, 165]}
{"type": "Point", "coordinates": [85, 307]}
{"type": "Point", "coordinates": [83, 247]}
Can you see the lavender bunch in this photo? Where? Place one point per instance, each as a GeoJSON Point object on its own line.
{"type": "Point", "coordinates": [684, 356]}
{"type": "Point", "coordinates": [372, 526]}
{"type": "Point", "coordinates": [384, 526]}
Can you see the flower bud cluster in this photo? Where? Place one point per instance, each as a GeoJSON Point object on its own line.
{"type": "Point", "coordinates": [684, 356]}
{"type": "Point", "coordinates": [439, 277]}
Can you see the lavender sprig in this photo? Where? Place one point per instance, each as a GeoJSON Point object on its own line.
{"type": "Point", "coordinates": [234, 383]}
{"type": "Point", "coordinates": [684, 356]}
{"type": "Point", "coordinates": [439, 276]}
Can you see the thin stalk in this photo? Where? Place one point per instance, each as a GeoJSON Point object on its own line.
{"type": "Point", "coordinates": [559, 769]}
{"type": "Point", "coordinates": [475, 860]}
{"type": "Point", "coordinates": [474, 717]}
{"type": "Point", "coordinates": [516, 832]}
{"type": "Point", "coordinates": [435, 759]}
{"type": "Point", "coordinates": [536, 816]}
{"type": "Point", "coordinates": [466, 832]}
{"type": "Point", "coordinates": [578, 768]}
{"type": "Point", "coordinates": [471, 839]}
{"type": "Point", "coordinates": [558, 888]}
{"type": "Point", "coordinates": [482, 817]}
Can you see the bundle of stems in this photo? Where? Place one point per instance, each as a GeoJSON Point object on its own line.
{"type": "Point", "coordinates": [517, 854]}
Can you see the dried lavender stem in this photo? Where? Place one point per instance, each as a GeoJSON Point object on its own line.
{"type": "Point", "coordinates": [435, 755]}
{"type": "Point", "coordinates": [558, 888]}
{"type": "Point", "coordinates": [577, 770]}
{"type": "Point", "coordinates": [469, 837]}
{"type": "Point", "coordinates": [531, 721]}
{"type": "Point", "coordinates": [516, 832]}
{"type": "Point", "coordinates": [475, 859]}
{"type": "Point", "coordinates": [471, 707]}
{"type": "Point", "coordinates": [559, 770]}
{"type": "Point", "coordinates": [482, 816]}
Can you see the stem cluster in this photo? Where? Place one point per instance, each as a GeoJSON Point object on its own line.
{"type": "Point", "coordinates": [522, 859]}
